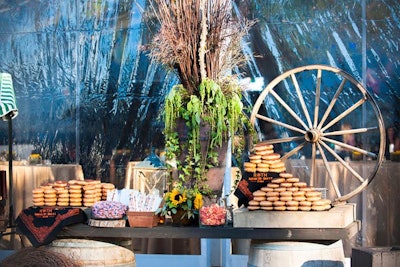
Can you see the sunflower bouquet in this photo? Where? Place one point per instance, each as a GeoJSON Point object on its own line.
{"type": "Point", "coordinates": [182, 200]}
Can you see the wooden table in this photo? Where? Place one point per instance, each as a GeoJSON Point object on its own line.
{"type": "Point", "coordinates": [166, 231]}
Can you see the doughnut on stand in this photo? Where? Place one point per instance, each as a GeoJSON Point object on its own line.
{"type": "Point", "coordinates": [314, 145]}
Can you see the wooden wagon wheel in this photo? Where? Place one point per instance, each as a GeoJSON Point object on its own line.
{"type": "Point", "coordinates": [336, 97]}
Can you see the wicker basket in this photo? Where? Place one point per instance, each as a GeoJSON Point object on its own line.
{"type": "Point", "coordinates": [142, 219]}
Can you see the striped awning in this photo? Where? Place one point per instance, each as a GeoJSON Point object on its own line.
{"type": "Point", "coordinates": [8, 106]}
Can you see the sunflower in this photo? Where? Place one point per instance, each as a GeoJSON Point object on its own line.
{"type": "Point", "coordinates": [176, 197]}
{"type": "Point", "coordinates": [198, 201]}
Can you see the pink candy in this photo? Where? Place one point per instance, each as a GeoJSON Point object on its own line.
{"type": "Point", "coordinates": [212, 215]}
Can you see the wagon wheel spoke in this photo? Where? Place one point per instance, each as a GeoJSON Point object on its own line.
{"type": "Point", "coordinates": [329, 171]}
{"type": "Point", "coordinates": [350, 147]}
{"type": "Point", "coordinates": [332, 103]}
{"type": "Point", "coordinates": [293, 151]}
{"type": "Point", "coordinates": [290, 127]}
{"type": "Point", "coordinates": [344, 114]}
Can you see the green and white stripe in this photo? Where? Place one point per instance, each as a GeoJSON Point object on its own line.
{"type": "Point", "coordinates": [8, 104]}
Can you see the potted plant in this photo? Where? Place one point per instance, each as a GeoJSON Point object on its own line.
{"type": "Point", "coordinates": [201, 41]}
{"type": "Point", "coordinates": [182, 204]}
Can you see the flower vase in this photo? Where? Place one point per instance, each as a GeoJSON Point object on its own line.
{"type": "Point", "coordinates": [180, 219]}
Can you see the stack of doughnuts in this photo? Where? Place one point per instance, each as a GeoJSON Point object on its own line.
{"type": "Point", "coordinates": [74, 193]}
{"type": "Point", "coordinates": [105, 188]}
{"type": "Point", "coordinates": [38, 196]}
{"type": "Point", "coordinates": [50, 197]}
{"type": "Point", "coordinates": [62, 193]}
{"type": "Point", "coordinates": [91, 192]}
{"type": "Point", "coordinates": [288, 193]}
{"type": "Point", "coordinates": [264, 159]}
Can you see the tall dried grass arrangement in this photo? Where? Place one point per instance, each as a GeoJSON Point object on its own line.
{"type": "Point", "coordinates": [199, 39]}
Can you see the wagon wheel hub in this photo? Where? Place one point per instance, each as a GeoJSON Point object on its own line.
{"type": "Point", "coordinates": [313, 135]}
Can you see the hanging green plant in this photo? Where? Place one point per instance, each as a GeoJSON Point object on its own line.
{"type": "Point", "coordinates": [221, 113]}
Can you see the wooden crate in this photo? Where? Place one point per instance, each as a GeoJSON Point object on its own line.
{"type": "Point", "coordinates": [142, 219]}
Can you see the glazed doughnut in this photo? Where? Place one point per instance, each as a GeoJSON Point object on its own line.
{"type": "Point", "coordinates": [286, 175]}
{"type": "Point", "coordinates": [38, 191]}
{"type": "Point", "coordinates": [292, 208]}
{"type": "Point", "coordinates": [272, 185]}
{"type": "Point", "coordinates": [90, 192]}
{"type": "Point", "coordinates": [280, 208]}
{"type": "Point", "coordinates": [272, 199]}
{"type": "Point", "coordinates": [286, 194]}
{"type": "Point", "coordinates": [313, 194]}
{"type": "Point", "coordinates": [254, 156]}
{"type": "Point", "coordinates": [298, 193]}
{"type": "Point", "coordinates": [50, 196]}
{"type": "Point", "coordinates": [306, 188]}
{"type": "Point", "coordinates": [46, 187]}
{"type": "Point", "coordinates": [286, 198]}
{"type": "Point", "coordinates": [89, 187]}
{"type": "Point", "coordinates": [75, 191]}
{"type": "Point", "coordinates": [108, 185]}
{"type": "Point", "coordinates": [75, 196]}
{"type": "Point", "coordinates": [305, 203]}
{"type": "Point", "coordinates": [62, 203]}
{"type": "Point", "coordinates": [61, 190]}
{"type": "Point", "coordinates": [280, 189]}
{"type": "Point", "coordinates": [75, 186]}
{"type": "Point", "coordinates": [292, 180]}
{"type": "Point", "coordinates": [247, 170]}
{"type": "Point", "coordinates": [272, 156]}
{"type": "Point", "coordinates": [63, 199]}
{"type": "Point", "coordinates": [277, 165]}
{"type": "Point", "coordinates": [263, 146]}
{"type": "Point", "coordinates": [272, 194]}
{"type": "Point", "coordinates": [262, 169]}
{"type": "Point", "coordinates": [38, 195]}
{"type": "Point", "coordinates": [300, 184]}
{"type": "Point", "coordinates": [267, 208]}
{"type": "Point", "coordinates": [50, 191]}
{"type": "Point", "coordinates": [260, 198]}
{"type": "Point", "coordinates": [50, 203]}
{"type": "Point", "coordinates": [293, 189]}
{"type": "Point", "coordinates": [253, 207]}
{"type": "Point", "coordinates": [299, 198]}
{"type": "Point", "coordinates": [278, 203]}
{"type": "Point", "coordinates": [285, 184]}
{"type": "Point", "coordinates": [58, 184]}
{"type": "Point", "coordinates": [305, 208]}
{"type": "Point", "coordinates": [73, 181]}
{"type": "Point", "coordinates": [63, 196]}
{"type": "Point", "coordinates": [292, 203]}
{"type": "Point", "coordinates": [312, 199]}
{"type": "Point", "coordinates": [266, 203]}
{"type": "Point", "coordinates": [321, 202]}
{"type": "Point", "coordinates": [256, 161]}
{"type": "Point", "coordinates": [38, 202]}
{"type": "Point", "coordinates": [254, 203]}
{"type": "Point", "coordinates": [277, 180]}
{"type": "Point", "coordinates": [262, 165]}
{"type": "Point", "coordinates": [320, 208]}
{"type": "Point", "coordinates": [75, 204]}
{"type": "Point", "coordinates": [267, 189]}
{"type": "Point", "coordinates": [259, 193]}
{"type": "Point", "coordinates": [264, 152]}
{"type": "Point", "coordinates": [249, 165]}
{"type": "Point", "coordinates": [81, 182]}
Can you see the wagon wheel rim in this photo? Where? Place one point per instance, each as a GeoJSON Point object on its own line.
{"type": "Point", "coordinates": [315, 127]}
